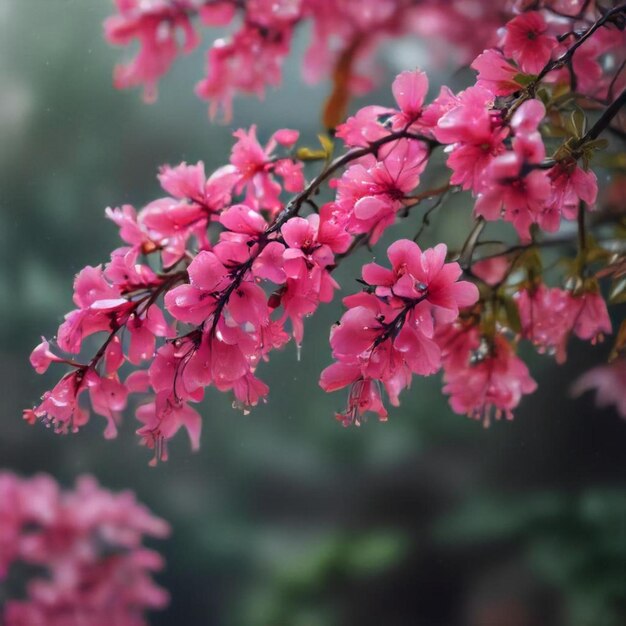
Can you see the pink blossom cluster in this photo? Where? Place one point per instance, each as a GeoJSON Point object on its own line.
{"type": "Point", "coordinates": [225, 268]}
{"type": "Point", "coordinates": [250, 57]}
{"type": "Point", "coordinates": [92, 569]}
{"type": "Point", "coordinates": [609, 382]}
{"type": "Point", "coordinates": [533, 40]}
{"type": "Point", "coordinates": [207, 301]}
{"type": "Point", "coordinates": [503, 162]}
{"type": "Point", "coordinates": [550, 315]}
{"type": "Point", "coordinates": [483, 376]}
{"type": "Point", "coordinates": [388, 332]}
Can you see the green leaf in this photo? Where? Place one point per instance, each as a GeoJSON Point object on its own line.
{"type": "Point", "coordinates": [524, 79]}
{"type": "Point", "coordinates": [579, 122]}
{"type": "Point", "coordinates": [327, 145]}
{"type": "Point", "coordinates": [308, 154]}
{"type": "Point", "coordinates": [512, 314]}
{"type": "Point", "coordinates": [617, 295]}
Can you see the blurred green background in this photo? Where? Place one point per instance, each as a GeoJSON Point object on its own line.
{"type": "Point", "coordinates": [284, 518]}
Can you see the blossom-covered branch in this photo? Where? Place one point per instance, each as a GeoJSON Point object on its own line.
{"type": "Point", "coordinates": [251, 56]}
{"type": "Point", "coordinates": [225, 269]}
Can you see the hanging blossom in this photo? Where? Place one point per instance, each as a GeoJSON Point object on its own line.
{"type": "Point", "coordinates": [90, 567]}
{"type": "Point", "coordinates": [343, 36]}
{"type": "Point", "coordinates": [375, 187]}
{"type": "Point", "coordinates": [609, 384]}
{"type": "Point", "coordinates": [220, 304]}
{"type": "Point", "coordinates": [550, 315]}
{"type": "Point", "coordinates": [251, 56]}
{"type": "Point", "coordinates": [387, 333]}
{"type": "Point", "coordinates": [225, 267]}
{"type": "Point", "coordinates": [483, 376]}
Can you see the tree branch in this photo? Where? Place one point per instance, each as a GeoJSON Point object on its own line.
{"type": "Point", "coordinates": [566, 57]}
{"type": "Point", "coordinates": [605, 119]}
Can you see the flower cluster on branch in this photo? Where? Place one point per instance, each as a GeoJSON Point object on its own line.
{"type": "Point", "coordinates": [85, 549]}
{"type": "Point", "coordinates": [250, 57]}
{"type": "Point", "coordinates": [224, 269]}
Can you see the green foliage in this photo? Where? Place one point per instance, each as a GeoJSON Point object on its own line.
{"type": "Point", "coordinates": [575, 542]}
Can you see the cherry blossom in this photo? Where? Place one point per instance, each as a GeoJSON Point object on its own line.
{"type": "Point", "coordinates": [224, 267]}
{"type": "Point", "coordinates": [528, 43]}
{"type": "Point", "coordinates": [474, 131]}
{"type": "Point", "coordinates": [609, 384]}
{"type": "Point", "coordinates": [155, 24]}
{"type": "Point", "coordinates": [85, 546]}
{"type": "Point", "coordinates": [546, 318]}
{"type": "Point", "coordinates": [249, 58]}
{"type": "Point", "coordinates": [484, 377]}
{"type": "Point", "coordinates": [372, 191]}
{"type": "Point", "coordinates": [386, 335]}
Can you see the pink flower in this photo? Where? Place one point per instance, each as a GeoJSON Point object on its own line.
{"type": "Point", "coordinates": [144, 329]}
{"type": "Point", "coordinates": [108, 397]}
{"type": "Point", "coordinates": [484, 381]}
{"type": "Point", "coordinates": [527, 118]}
{"type": "Point", "coordinates": [155, 24]}
{"type": "Point", "coordinates": [371, 192]}
{"type": "Point", "coordinates": [60, 407]}
{"type": "Point", "coordinates": [130, 231]}
{"type": "Point", "coordinates": [424, 276]}
{"type": "Point", "coordinates": [496, 74]}
{"type": "Point", "coordinates": [256, 167]}
{"type": "Point", "coordinates": [82, 551]}
{"type": "Point", "coordinates": [409, 90]}
{"type": "Point", "coordinates": [101, 309]}
{"type": "Point", "coordinates": [306, 262]}
{"type": "Point", "coordinates": [303, 249]}
{"type": "Point", "coordinates": [161, 423]}
{"type": "Point", "coordinates": [546, 318]}
{"type": "Point", "coordinates": [193, 303]}
{"type": "Point", "coordinates": [570, 185]}
{"type": "Point", "coordinates": [526, 42]}
{"type": "Point", "coordinates": [364, 396]}
{"type": "Point", "coordinates": [609, 383]}
{"type": "Point", "coordinates": [521, 203]}
{"type": "Point", "coordinates": [124, 273]}
{"type": "Point", "coordinates": [508, 189]}
{"type": "Point", "coordinates": [364, 126]}
{"type": "Point", "coordinates": [468, 118]}
{"type": "Point", "coordinates": [386, 335]}
{"type": "Point", "coordinates": [247, 62]}
{"type": "Point", "coordinates": [218, 13]}
{"type": "Point", "coordinates": [491, 271]}
{"type": "Point", "coordinates": [475, 133]}
{"type": "Point", "coordinates": [41, 357]}
{"type": "Point", "coordinates": [169, 223]}
{"type": "Point", "coordinates": [591, 317]}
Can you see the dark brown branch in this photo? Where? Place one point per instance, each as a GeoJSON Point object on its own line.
{"type": "Point", "coordinates": [295, 204]}
{"type": "Point", "coordinates": [467, 252]}
{"type": "Point", "coordinates": [566, 57]}
{"type": "Point", "coordinates": [548, 243]}
{"type": "Point", "coordinates": [293, 208]}
{"type": "Point", "coordinates": [605, 119]}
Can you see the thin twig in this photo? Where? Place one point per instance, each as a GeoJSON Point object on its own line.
{"type": "Point", "coordinates": [467, 251]}
{"type": "Point", "coordinates": [605, 119]}
{"type": "Point", "coordinates": [569, 53]}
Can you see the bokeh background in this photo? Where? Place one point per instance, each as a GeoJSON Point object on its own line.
{"type": "Point", "coordinates": [284, 518]}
